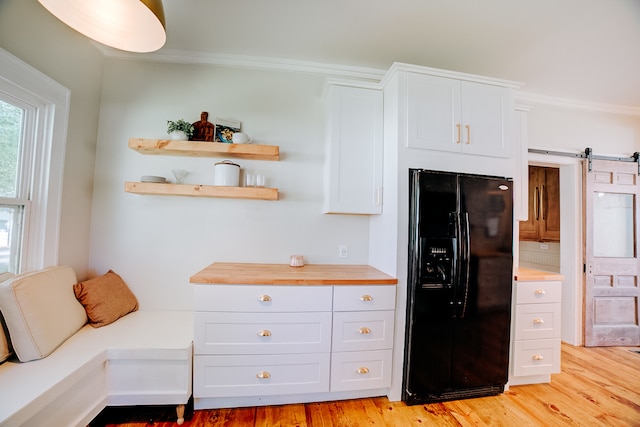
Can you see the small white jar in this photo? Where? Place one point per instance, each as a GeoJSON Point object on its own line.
{"type": "Point", "coordinates": [226, 174]}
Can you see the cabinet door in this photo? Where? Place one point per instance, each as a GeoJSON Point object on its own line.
{"type": "Point", "coordinates": [353, 163]}
{"type": "Point", "coordinates": [433, 113]}
{"type": "Point", "coordinates": [529, 228]}
{"type": "Point", "coordinates": [550, 205]}
{"type": "Point", "coordinates": [543, 224]}
{"type": "Point", "coordinates": [487, 120]}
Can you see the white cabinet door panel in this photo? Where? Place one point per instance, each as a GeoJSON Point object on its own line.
{"type": "Point", "coordinates": [262, 298]}
{"type": "Point", "coordinates": [361, 370]}
{"type": "Point", "coordinates": [249, 375]}
{"type": "Point", "coordinates": [262, 333]}
{"type": "Point", "coordinates": [362, 330]}
{"type": "Point", "coordinates": [361, 298]}
{"type": "Point", "coordinates": [433, 108]}
{"type": "Point", "coordinates": [538, 321]}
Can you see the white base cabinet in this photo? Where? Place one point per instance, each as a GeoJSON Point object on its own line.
{"type": "Point", "coordinates": [536, 332]}
{"type": "Point", "coordinates": [293, 343]}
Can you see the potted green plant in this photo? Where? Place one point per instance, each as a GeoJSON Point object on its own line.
{"type": "Point", "coordinates": [180, 129]}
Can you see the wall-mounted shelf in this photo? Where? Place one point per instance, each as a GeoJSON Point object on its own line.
{"type": "Point", "coordinates": [196, 190]}
{"type": "Point", "coordinates": [169, 147]}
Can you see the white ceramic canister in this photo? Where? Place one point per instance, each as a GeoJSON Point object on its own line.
{"type": "Point", "coordinates": [226, 174]}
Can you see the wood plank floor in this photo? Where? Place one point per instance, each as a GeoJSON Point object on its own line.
{"type": "Point", "coordinates": [597, 387]}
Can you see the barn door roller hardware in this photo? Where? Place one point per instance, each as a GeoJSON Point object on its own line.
{"type": "Point", "coordinates": [588, 154]}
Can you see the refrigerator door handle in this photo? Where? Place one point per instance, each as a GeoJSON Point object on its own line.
{"type": "Point", "coordinates": [464, 254]}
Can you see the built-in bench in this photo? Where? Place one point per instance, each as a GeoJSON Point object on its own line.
{"type": "Point", "coordinates": [143, 358]}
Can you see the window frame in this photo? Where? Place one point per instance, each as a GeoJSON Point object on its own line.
{"type": "Point", "coordinates": [51, 102]}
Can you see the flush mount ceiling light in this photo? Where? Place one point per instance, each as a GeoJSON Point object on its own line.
{"type": "Point", "coordinates": [131, 25]}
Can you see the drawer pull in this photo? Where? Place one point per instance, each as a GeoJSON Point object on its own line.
{"type": "Point", "coordinates": [366, 298]}
{"type": "Point", "coordinates": [362, 370]}
{"type": "Point", "coordinates": [537, 357]}
{"type": "Point", "coordinates": [364, 330]}
{"type": "Point", "coordinates": [264, 298]}
{"type": "Point", "coordinates": [264, 333]}
{"type": "Point", "coordinates": [263, 375]}
{"type": "Point", "coordinates": [540, 292]}
{"type": "Point", "coordinates": [538, 321]}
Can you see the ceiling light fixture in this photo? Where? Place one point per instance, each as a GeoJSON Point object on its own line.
{"type": "Point", "coordinates": [131, 25]}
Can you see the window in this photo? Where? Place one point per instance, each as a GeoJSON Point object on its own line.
{"type": "Point", "coordinates": [33, 123]}
{"type": "Point", "coordinates": [15, 171]}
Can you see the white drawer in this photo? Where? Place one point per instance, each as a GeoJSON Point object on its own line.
{"type": "Point", "coordinates": [538, 292]}
{"type": "Point", "coordinates": [262, 333]}
{"type": "Point", "coordinates": [262, 298]}
{"type": "Point", "coordinates": [357, 298]}
{"type": "Point", "coordinates": [537, 321]}
{"type": "Point", "coordinates": [362, 330]}
{"type": "Point", "coordinates": [361, 370]}
{"type": "Point", "coordinates": [536, 357]}
{"type": "Point", "coordinates": [261, 375]}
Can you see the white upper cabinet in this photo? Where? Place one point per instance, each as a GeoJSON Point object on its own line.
{"type": "Point", "coordinates": [353, 162]}
{"type": "Point", "coordinates": [447, 114]}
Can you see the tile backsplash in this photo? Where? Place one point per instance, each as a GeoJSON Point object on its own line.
{"type": "Point", "coordinates": [540, 255]}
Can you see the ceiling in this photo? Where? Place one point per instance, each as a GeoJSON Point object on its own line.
{"type": "Point", "coordinates": [583, 50]}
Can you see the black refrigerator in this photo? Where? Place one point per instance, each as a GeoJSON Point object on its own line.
{"type": "Point", "coordinates": [459, 286]}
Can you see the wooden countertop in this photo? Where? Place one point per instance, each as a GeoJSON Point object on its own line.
{"type": "Point", "coordinates": [524, 274]}
{"type": "Point", "coordinates": [283, 274]}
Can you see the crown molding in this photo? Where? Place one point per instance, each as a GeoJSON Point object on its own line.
{"type": "Point", "coordinates": [573, 104]}
{"type": "Point", "coordinates": [255, 62]}
{"type": "Point", "coordinates": [373, 75]}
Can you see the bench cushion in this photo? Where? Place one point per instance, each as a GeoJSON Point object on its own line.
{"type": "Point", "coordinates": [41, 311]}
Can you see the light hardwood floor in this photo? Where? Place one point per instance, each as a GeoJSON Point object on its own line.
{"type": "Point", "coordinates": [597, 387]}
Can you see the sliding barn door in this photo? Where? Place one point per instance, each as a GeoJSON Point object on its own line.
{"type": "Point", "coordinates": [611, 193]}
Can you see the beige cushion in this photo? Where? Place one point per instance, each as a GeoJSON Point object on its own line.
{"type": "Point", "coordinates": [41, 311]}
{"type": "Point", "coordinates": [106, 298]}
{"type": "Point", "coordinates": [5, 344]}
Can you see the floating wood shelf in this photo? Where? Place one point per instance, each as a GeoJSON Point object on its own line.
{"type": "Point", "coordinates": [196, 190]}
{"type": "Point", "coordinates": [169, 147]}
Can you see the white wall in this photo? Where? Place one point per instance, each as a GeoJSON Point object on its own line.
{"type": "Point", "coordinates": [157, 242]}
{"type": "Point", "coordinates": [28, 31]}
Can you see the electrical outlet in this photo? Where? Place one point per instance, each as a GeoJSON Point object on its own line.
{"type": "Point", "coordinates": [343, 251]}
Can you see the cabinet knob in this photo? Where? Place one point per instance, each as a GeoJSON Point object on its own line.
{"type": "Point", "coordinates": [264, 298]}
{"type": "Point", "coordinates": [362, 370]}
{"type": "Point", "coordinates": [263, 375]}
{"type": "Point", "coordinates": [468, 128]}
{"type": "Point", "coordinates": [264, 333]}
{"type": "Point", "coordinates": [540, 292]}
{"type": "Point", "coordinates": [364, 330]}
{"type": "Point", "coordinates": [538, 321]}
{"type": "Point", "coordinates": [537, 357]}
{"type": "Point", "coordinates": [458, 129]}
{"type": "Point", "coordinates": [366, 298]}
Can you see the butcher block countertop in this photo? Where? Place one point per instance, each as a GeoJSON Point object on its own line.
{"type": "Point", "coordinates": [283, 274]}
{"type": "Point", "coordinates": [524, 274]}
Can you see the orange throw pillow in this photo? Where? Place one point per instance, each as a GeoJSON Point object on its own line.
{"type": "Point", "coordinates": [105, 298]}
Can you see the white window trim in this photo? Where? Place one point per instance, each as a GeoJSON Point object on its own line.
{"type": "Point", "coordinates": [52, 119]}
